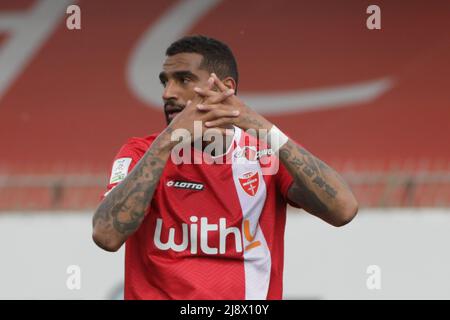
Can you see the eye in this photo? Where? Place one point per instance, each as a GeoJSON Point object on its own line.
{"type": "Point", "coordinates": [186, 80]}
{"type": "Point", "coordinates": [163, 83]}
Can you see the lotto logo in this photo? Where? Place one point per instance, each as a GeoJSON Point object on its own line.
{"type": "Point", "coordinates": [185, 185]}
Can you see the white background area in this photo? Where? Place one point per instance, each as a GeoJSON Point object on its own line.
{"type": "Point", "coordinates": [321, 262]}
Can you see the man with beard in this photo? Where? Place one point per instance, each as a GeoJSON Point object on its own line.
{"type": "Point", "coordinates": [211, 229]}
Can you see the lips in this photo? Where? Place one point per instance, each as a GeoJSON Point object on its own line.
{"type": "Point", "coordinates": [172, 110]}
{"type": "Point", "coordinates": [172, 115]}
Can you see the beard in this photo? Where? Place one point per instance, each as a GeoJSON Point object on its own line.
{"type": "Point", "coordinates": [171, 110]}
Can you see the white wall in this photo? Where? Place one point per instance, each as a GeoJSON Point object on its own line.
{"type": "Point", "coordinates": [36, 250]}
{"type": "Point", "coordinates": [321, 262]}
{"type": "Point", "coordinates": [410, 246]}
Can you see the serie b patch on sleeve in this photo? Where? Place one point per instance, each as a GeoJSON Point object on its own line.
{"type": "Point", "coordinates": [120, 170]}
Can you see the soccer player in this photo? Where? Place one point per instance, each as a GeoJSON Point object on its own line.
{"type": "Point", "coordinates": [212, 225]}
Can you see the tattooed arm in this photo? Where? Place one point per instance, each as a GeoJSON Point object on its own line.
{"type": "Point", "coordinates": [123, 209]}
{"type": "Point", "coordinates": [317, 188]}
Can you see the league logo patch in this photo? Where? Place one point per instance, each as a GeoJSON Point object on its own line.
{"type": "Point", "coordinates": [250, 182]}
{"type": "Point", "coordinates": [119, 170]}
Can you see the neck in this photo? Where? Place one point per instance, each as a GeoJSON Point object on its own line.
{"type": "Point", "coordinates": [219, 145]}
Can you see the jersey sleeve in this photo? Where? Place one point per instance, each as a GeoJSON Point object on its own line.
{"type": "Point", "coordinates": [124, 161]}
{"type": "Point", "coordinates": [284, 181]}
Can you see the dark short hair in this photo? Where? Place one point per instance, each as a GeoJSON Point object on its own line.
{"type": "Point", "coordinates": [217, 56]}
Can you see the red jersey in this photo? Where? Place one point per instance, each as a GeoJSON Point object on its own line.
{"type": "Point", "coordinates": [212, 231]}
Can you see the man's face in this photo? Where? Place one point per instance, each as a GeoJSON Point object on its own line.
{"type": "Point", "coordinates": [180, 75]}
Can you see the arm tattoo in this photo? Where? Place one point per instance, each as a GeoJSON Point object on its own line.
{"type": "Point", "coordinates": [124, 208]}
{"type": "Point", "coordinates": [252, 121]}
{"type": "Point", "coordinates": [312, 187]}
{"type": "Point", "coordinates": [128, 213]}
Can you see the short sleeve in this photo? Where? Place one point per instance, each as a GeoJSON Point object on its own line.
{"type": "Point", "coordinates": [125, 160]}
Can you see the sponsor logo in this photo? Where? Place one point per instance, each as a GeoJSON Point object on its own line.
{"type": "Point", "coordinates": [250, 182]}
{"type": "Point", "coordinates": [185, 185]}
{"type": "Point", "coordinates": [251, 154]}
{"type": "Point", "coordinates": [191, 231]}
{"type": "Point", "coordinates": [119, 170]}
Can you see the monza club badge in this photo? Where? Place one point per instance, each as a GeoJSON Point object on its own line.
{"type": "Point", "coordinates": [250, 182]}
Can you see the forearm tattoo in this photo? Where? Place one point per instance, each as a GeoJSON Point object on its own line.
{"type": "Point", "coordinates": [311, 176]}
{"type": "Point", "coordinates": [124, 208]}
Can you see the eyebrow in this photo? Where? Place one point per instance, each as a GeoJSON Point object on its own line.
{"type": "Point", "coordinates": [163, 76]}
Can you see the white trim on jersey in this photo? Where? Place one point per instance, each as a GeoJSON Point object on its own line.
{"type": "Point", "coordinates": [257, 260]}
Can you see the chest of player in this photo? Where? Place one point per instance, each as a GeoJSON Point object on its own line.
{"type": "Point", "coordinates": [214, 190]}
{"type": "Point", "coordinates": [212, 208]}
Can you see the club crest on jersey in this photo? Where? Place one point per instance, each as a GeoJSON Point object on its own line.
{"type": "Point", "coordinates": [250, 182]}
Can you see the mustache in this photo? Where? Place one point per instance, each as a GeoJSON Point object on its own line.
{"type": "Point", "coordinates": [173, 106]}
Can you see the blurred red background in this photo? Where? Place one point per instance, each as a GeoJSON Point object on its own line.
{"type": "Point", "coordinates": [70, 105]}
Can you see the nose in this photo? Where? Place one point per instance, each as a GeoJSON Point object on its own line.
{"type": "Point", "coordinates": [170, 91]}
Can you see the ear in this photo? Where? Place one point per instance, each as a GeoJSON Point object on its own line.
{"type": "Point", "coordinates": [230, 83]}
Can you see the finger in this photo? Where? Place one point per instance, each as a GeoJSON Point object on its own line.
{"type": "Point", "coordinates": [212, 97]}
{"type": "Point", "coordinates": [208, 107]}
{"type": "Point", "coordinates": [204, 92]}
{"type": "Point", "coordinates": [196, 100]}
{"type": "Point", "coordinates": [209, 89]}
{"type": "Point", "coordinates": [220, 96]}
{"type": "Point", "coordinates": [219, 113]}
{"type": "Point", "coordinates": [220, 122]}
{"type": "Point", "coordinates": [210, 84]}
{"type": "Point", "coordinates": [222, 87]}
{"type": "Point", "coordinates": [205, 107]}
{"type": "Point", "coordinates": [210, 93]}
{"type": "Point", "coordinates": [191, 104]}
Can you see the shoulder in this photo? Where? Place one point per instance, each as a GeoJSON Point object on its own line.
{"type": "Point", "coordinates": [135, 147]}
